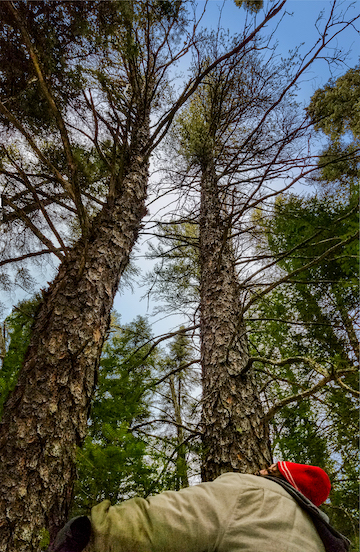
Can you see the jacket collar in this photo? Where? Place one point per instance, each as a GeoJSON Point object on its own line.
{"type": "Point", "coordinates": [332, 539]}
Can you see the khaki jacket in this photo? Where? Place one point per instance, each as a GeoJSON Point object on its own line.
{"type": "Point", "coordinates": [234, 513]}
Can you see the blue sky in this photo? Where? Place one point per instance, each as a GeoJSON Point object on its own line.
{"type": "Point", "coordinates": [296, 27]}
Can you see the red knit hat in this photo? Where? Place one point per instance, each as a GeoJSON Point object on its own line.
{"type": "Point", "coordinates": [311, 481]}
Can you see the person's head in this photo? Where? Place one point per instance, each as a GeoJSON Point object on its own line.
{"type": "Point", "coordinates": [311, 481]}
{"type": "Point", "coordinates": [271, 470]}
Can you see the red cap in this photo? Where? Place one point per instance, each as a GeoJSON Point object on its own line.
{"type": "Point", "coordinates": [311, 481]}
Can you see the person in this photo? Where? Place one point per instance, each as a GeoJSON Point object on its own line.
{"type": "Point", "coordinates": [275, 512]}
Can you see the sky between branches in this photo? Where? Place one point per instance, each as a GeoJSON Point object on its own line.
{"type": "Point", "coordinates": [297, 26]}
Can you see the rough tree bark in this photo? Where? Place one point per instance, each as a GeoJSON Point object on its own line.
{"type": "Point", "coordinates": [235, 437]}
{"type": "Point", "coordinates": [46, 415]}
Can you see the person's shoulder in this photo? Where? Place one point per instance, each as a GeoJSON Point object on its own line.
{"type": "Point", "coordinates": [246, 478]}
{"type": "Point", "coordinates": [236, 476]}
{"type": "Point", "coordinates": [251, 481]}
{"type": "Point", "coordinates": [237, 479]}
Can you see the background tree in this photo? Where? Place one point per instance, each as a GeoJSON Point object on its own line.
{"type": "Point", "coordinates": [322, 228]}
{"type": "Point", "coordinates": [174, 279]}
{"type": "Point", "coordinates": [179, 406]}
{"type": "Point", "coordinates": [333, 110]}
{"type": "Point", "coordinates": [303, 349]}
{"type": "Point", "coordinates": [115, 462]}
{"type": "Point", "coordinates": [16, 336]}
{"type": "Point", "coordinates": [121, 456]}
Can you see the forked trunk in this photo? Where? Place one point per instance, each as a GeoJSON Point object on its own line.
{"type": "Point", "coordinates": [235, 437]}
{"type": "Point", "coordinates": [46, 415]}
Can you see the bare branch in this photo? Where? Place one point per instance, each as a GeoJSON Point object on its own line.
{"type": "Point", "coordinates": [35, 230]}
{"type": "Point", "coordinates": [354, 392]}
{"type": "Point", "coordinates": [12, 119]}
{"type": "Point", "coordinates": [301, 269]}
{"type": "Point", "coordinates": [28, 256]}
{"type": "Point", "coordinates": [300, 396]}
{"type": "Point", "coordinates": [160, 339]}
{"type": "Point", "coordinates": [164, 421]}
{"type": "Point", "coordinates": [290, 360]}
{"type": "Point", "coordinates": [175, 371]}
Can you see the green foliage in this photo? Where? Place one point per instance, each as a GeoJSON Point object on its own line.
{"type": "Point", "coordinates": [314, 316]}
{"type": "Point", "coordinates": [325, 435]}
{"type": "Point", "coordinates": [124, 453]}
{"type": "Point", "coordinates": [70, 76]}
{"type": "Point", "coordinates": [60, 33]}
{"type": "Point", "coordinates": [343, 508]}
{"type": "Point", "coordinates": [310, 228]}
{"type": "Point", "coordinates": [58, 29]}
{"type": "Point", "coordinates": [335, 110]}
{"type": "Point", "coordinates": [180, 350]}
{"type": "Point", "coordinates": [322, 296]}
{"type": "Point", "coordinates": [17, 328]}
{"type": "Point", "coordinates": [299, 439]}
{"type": "Point", "coordinates": [113, 462]}
{"type": "Point", "coordinates": [92, 169]}
{"type": "Point", "coordinates": [322, 430]}
{"type": "Point", "coordinates": [212, 125]}
{"type": "Point", "coordinates": [168, 9]}
{"type": "Point", "coordinates": [251, 5]}
{"type": "Point", "coordinates": [193, 131]}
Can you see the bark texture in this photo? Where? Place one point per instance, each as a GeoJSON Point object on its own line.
{"type": "Point", "coordinates": [235, 437]}
{"type": "Point", "coordinates": [46, 415]}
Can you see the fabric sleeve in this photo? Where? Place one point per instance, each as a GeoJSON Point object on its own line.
{"type": "Point", "coordinates": [190, 520]}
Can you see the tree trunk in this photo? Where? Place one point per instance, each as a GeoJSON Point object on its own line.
{"type": "Point", "coordinates": [181, 464]}
{"type": "Point", "coordinates": [46, 415]}
{"type": "Point", "coordinates": [234, 435]}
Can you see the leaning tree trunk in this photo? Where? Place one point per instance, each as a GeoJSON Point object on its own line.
{"type": "Point", "coordinates": [234, 435]}
{"type": "Point", "coordinates": [46, 415]}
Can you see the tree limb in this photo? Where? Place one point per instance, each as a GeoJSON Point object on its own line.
{"type": "Point", "coordinates": [298, 397]}
{"type": "Point", "coordinates": [300, 269]}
